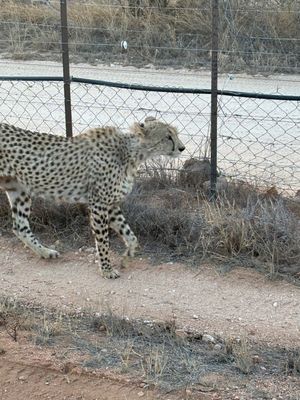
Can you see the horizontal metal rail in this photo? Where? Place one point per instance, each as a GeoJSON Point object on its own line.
{"type": "Point", "coordinates": [160, 89]}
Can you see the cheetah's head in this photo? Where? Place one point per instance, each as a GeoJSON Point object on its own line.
{"type": "Point", "coordinates": [158, 138]}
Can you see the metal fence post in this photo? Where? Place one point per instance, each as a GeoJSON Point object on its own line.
{"type": "Point", "coordinates": [214, 95]}
{"type": "Point", "coordinates": [66, 67]}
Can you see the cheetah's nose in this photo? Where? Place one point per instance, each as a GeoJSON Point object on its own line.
{"type": "Point", "coordinates": [181, 148]}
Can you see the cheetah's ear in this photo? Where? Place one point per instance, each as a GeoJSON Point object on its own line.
{"type": "Point", "coordinates": [149, 119]}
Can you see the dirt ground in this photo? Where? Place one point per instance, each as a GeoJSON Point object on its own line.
{"type": "Point", "coordinates": [35, 380]}
{"type": "Point", "coordinates": [241, 303]}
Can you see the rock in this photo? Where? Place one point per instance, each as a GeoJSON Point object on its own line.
{"type": "Point", "coordinates": [208, 338]}
{"type": "Point", "coordinates": [218, 347]}
{"type": "Point", "coordinates": [195, 172]}
{"type": "Point", "coordinates": [102, 328]}
{"type": "Point", "coordinates": [221, 186]}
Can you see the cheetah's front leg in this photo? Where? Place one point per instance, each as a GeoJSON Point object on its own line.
{"type": "Point", "coordinates": [99, 224]}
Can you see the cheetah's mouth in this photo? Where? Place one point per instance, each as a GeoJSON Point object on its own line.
{"type": "Point", "coordinates": [173, 149]}
{"type": "Point", "coordinates": [174, 154]}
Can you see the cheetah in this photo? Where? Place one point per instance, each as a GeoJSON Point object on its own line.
{"type": "Point", "coordinates": [97, 167]}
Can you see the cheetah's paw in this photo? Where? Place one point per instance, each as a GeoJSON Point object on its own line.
{"type": "Point", "coordinates": [110, 274]}
{"type": "Point", "coordinates": [48, 253]}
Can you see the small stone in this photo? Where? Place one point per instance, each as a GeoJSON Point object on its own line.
{"type": "Point", "coordinates": [22, 378]}
{"type": "Point", "coordinates": [195, 316]}
{"type": "Point", "coordinates": [218, 347]}
{"type": "Point", "coordinates": [275, 304]}
{"type": "Point", "coordinates": [141, 394]}
{"type": "Point", "coordinates": [256, 359]}
{"type": "Point", "coordinates": [208, 338]}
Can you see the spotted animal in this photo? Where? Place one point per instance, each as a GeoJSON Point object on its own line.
{"type": "Point", "coordinates": [97, 167]}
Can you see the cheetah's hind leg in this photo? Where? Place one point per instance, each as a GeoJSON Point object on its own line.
{"type": "Point", "coordinates": [20, 203]}
{"type": "Point", "coordinates": [119, 224]}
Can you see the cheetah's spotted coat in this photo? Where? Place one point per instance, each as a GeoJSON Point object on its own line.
{"type": "Point", "coordinates": [97, 167]}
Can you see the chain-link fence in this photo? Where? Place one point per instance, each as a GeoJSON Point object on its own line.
{"type": "Point", "coordinates": [257, 135]}
{"type": "Point", "coordinates": [258, 138]}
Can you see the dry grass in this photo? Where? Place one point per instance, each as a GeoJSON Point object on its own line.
{"type": "Point", "coordinates": [151, 352]}
{"type": "Point", "coordinates": [264, 229]}
{"type": "Point", "coordinates": [164, 33]}
{"type": "Point", "coordinates": [66, 224]}
{"type": "Point", "coordinates": [242, 227]}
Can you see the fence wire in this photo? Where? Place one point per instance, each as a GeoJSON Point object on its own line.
{"type": "Point", "coordinates": [255, 37]}
{"type": "Point", "coordinates": [258, 139]}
